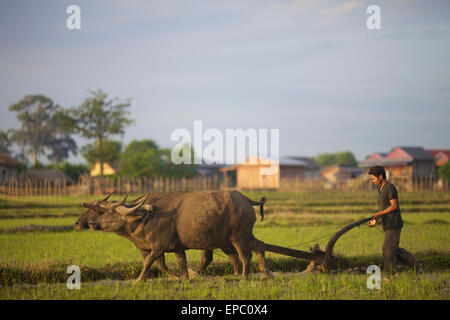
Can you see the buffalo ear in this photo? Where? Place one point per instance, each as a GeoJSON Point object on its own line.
{"type": "Point", "coordinates": [147, 207]}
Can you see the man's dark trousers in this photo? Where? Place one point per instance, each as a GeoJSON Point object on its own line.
{"type": "Point", "coordinates": [390, 249]}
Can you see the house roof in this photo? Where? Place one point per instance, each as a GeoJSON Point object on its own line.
{"type": "Point", "coordinates": [417, 153]}
{"type": "Point", "coordinates": [288, 161]}
{"type": "Point", "coordinates": [384, 162]}
{"type": "Point", "coordinates": [310, 164]}
{"type": "Point", "coordinates": [377, 155]}
{"type": "Point", "coordinates": [435, 152]}
{"type": "Point", "coordinates": [8, 161]}
{"type": "Point", "coordinates": [205, 165]}
{"type": "Point", "coordinates": [43, 174]}
{"type": "Point", "coordinates": [398, 156]}
{"type": "Point", "coordinates": [348, 168]}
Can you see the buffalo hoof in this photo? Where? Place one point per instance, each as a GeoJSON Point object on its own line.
{"type": "Point", "coordinates": [139, 280]}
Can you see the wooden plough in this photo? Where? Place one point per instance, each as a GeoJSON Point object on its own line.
{"type": "Point", "coordinates": [325, 261]}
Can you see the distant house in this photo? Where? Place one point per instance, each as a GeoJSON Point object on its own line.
{"type": "Point", "coordinates": [291, 168]}
{"type": "Point", "coordinates": [404, 162]}
{"type": "Point", "coordinates": [208, 170]}
{"type": "Point", "coordinates": [339, 174]}
{"type": "Point", "coordinates": [51, 176]}
{"type": "Point", "coordinates": [8, 168]}
{"type": "Point", "coordinates": [377, 155]}
{"type": "Point", "coordinates": [311, 169]}
{"type": "Point", "coordinates": [441, 157]}
{"type": "Point", "coordinates": [251, 174]}
{"type": "Point", "coordinates": [108, 169]}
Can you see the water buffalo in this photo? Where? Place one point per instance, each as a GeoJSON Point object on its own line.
{"type": "Point", "coordinates": [177, 221]}
{"type": "Point", "coordinates": [207, 255]}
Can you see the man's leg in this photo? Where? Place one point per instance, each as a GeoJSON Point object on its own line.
{"type": "Point", "coordinates": [390, 249]}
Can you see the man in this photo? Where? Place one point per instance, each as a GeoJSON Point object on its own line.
{"type": "Point", "coordinates": [390, 216]}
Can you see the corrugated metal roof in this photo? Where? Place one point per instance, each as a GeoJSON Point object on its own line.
{"type": "Point", "coordinates": [418, 153]}
{"type": "Point", "coordinates": [310, 163]}
{"type": "Point", "coordinates": [383, 162]}
{"type": "Point", "coordinates": [288, 161]}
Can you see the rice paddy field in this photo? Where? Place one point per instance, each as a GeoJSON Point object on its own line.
{"type": "Point", "coordinates": [33, 263]}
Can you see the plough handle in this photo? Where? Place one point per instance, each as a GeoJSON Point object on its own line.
{"type": "Point", "coordinates": [331, 243]}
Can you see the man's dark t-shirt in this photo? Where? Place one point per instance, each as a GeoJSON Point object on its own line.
{"type": "Point", "coordinates": [392, 220]}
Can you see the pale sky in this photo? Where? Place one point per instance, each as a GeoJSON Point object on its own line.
{"type": "Point", "coordinates": [309, 68]}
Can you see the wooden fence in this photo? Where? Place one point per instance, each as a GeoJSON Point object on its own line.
{"type": "Point", "coordinates": [122, 185]}
{"type": "Point", "coordinates": [99, 186]}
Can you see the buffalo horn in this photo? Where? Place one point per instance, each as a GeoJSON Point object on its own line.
{"type": "Point", "coordinates": [126, 211]}
{"type": "Point", "coordinates": [93, 207]}
{"type": "Point", "coordinates": [120, 203]}
{"type": "Point", "coordinates": [107, 197]}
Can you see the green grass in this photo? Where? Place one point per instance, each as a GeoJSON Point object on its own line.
{"type": "Point", "coordinates": [33, 264]}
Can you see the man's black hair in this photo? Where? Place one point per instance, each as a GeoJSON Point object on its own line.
{"type": "Point", "coordinates": [377, 170]}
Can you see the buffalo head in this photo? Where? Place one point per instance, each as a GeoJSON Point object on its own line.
{"type": "Point", "coordinates": [110, 216]}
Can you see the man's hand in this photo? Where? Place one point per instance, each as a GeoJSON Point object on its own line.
{"type": "Point", "coordinates": [376, 216]}
{"type": "Point", "coordinates": [372, 223]}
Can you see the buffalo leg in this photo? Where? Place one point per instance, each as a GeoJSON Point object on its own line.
{"type": "Point", "coordinates": [231, 252]}
{"type": "Point", "coordinates": [207, 258]}
{"type": "Point", "coordinates": [160, 263]}
{"type": "Point", "coordinates": [148, 261]}
{"type": "Point", "coordinates": [258, 248]}
{"type": "Point", "coordinates": [245, 254]}
{"type": "Point", "coordinates": [182, 261]}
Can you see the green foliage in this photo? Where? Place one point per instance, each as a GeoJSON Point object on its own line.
{"type": "Point", "coordinates": [342, 158]}
{"type": "Point", "coordinates": [45, 129]}
{"type": "Point", "coordinates": [444, 172]}
{"type": "Point", "coordinates": [177, 170]}
{"type": "Point", "coordinates": [73, 171]}
{"type": "Point", "coordinates": [141, 158]}
{"type": "Point", "coordinates": [5, 142]}
{"type": "Point", "coordinates": [98, 118]}
{"type": "Point", "coordinates": [144, 158]}
{"type": "Point", "coordinates": [108, 152]}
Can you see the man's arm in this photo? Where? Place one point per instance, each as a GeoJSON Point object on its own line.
{"type": "Point", "coordinates": [391, 208]}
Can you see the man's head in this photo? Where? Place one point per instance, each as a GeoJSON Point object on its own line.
{"type": "Point", "coordinates": [377, 174]}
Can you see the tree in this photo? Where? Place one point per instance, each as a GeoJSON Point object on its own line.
{"type": "Point", "coordinates": [98, 118]}
{"type": "Point", "coordinates": [177, 170]}
{"type": "Point", "coordinates": [346, 158]}
{"type": "Point", "coordinates": [145, 158]}
{"type": "Point", "coordinates": [109, 152]}
{"type": "Point", "coordinates": [325, 159]}
{"type": "Point", "coordinates": [5, 142]}
{"type": "Point", "coordinates": [141, 158]}
{"type": "Point", "coordinates": [43, 128]}
{"type": "Point", "coordinates": [444, 172]}
{"type": "Point", "coordinates": [73, 171]}
{"type": "Point", "coordinates": [342, 158]}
